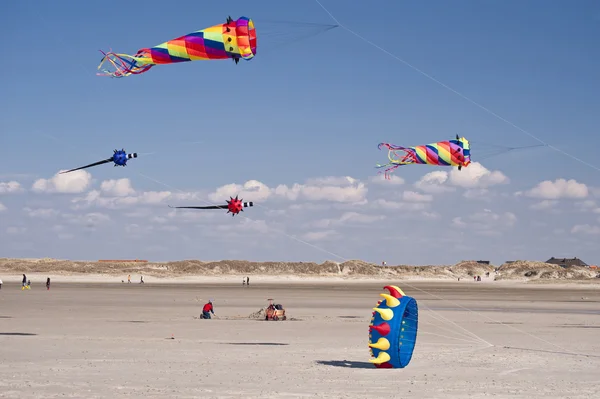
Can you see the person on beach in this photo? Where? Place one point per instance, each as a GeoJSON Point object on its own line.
{"type": "Point", "coordinates": [207, 310]}
{"type": "Point", "coordinates": [24, 280]}
{"type": "Point", "coordinates": [0, 283]}
{"type": "Point", "coordinates": [141, 279]}
{"type": "Point", "coordinates": [129, 279]}
{"type": "Point", "coordinates": [247, 280]}
{"type": "Point", "coordinates": [48, 283]}
{"type": "Point", "coordinates": [244, 281]}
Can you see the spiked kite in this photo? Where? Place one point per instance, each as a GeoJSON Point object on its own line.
{"type": "Point", "coordinates": [234, 39]}
{"type": "Point", "coordinates": [443, 153]}
{"type": "Point", "coordinates": [119, 158]}
{"type": "Point", "coordinates": [233, 206]}
{"type": "Point", "coordinates": [393, 329]}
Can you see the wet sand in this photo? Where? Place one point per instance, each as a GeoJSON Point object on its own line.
{"type": "Point", "coordinates": [100, 340]}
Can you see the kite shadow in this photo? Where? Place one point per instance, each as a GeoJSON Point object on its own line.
{"type": "Point", "coordinates": [17, 334]}
{"type": "Point", "coordinates": [255, 343]}
{"type": "Point", "coordinates": [346, 364]}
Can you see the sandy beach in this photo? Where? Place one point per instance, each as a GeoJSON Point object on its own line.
{"type": "Point", "coordinates": [93, 338]}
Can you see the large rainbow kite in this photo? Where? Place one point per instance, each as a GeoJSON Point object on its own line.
{"type": "Point", "coordinates": [443, 153]}
{"type": "Point", "coordinates": [234, 39]}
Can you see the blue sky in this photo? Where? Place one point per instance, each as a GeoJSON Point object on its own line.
{"type": "Point", "coordinates": [295, 122]}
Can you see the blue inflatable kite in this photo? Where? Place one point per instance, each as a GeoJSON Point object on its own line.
{"type": "Point", "coordinates": [393, 329]}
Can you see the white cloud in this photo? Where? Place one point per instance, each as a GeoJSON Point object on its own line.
{"type": "Point", "coordinates": [586, 205]}
{"type": "Point", "coordinates": [2, 207]}
{"type": "Point", "coordinates": [10, 187]}
{"type": "Point", "coordinates": [320, 235]}
{"type": "Point", "coordinates": [393, 180]}
{"type": "Point", "coordinates": [433, 182]}
{"type": "Point", "coordinates": [486, 220]}
{"type": "Point", "coordinates": [560, 188]}
{"type": "Point", "coordinates": [95, 198]}
{"type": "Point", "coordinates": [477, 176]}
{"type": "Point", "coordinates": [16, 230]}
{"type": "Point", "coordinates": [91, 219]}
{"type": "Point", "coordinates": [396, 205]}
{"type": "Point", "coordinates": [335, 189]}
{"type": "Point", "coordinates": [477, 194]}
{"type": "Point", "coordinates": [360, 217]}
{"type": "Point", "coordinates": [544, 205]}
{"type": "Point", "coordinates": [117, 188]}
{"type": "Point", "coordinates": [585, 229]}
{"type": "Point", "coordinates": [413, 196]}
{"type": "Point", "coordinates": [73, 182]}
{"type": "Point", "coordinates": [43, 213]}
{"type": "Point", "coordinates": [252, 190]}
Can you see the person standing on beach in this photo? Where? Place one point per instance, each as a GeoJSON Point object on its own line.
{"type": "Point", "coordinates": [247, 280]}
{"type": "Point", "coordinates": [24, 280]}
{"type": "Point", "coordinates": [129, 279]}
{"type": "Point", "coordinates": [48, 284]}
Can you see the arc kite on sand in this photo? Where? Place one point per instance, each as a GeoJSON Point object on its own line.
{"type": "Point", "coordinates": [120, 158]}
{"type": "Point", "coordinates": [233, 206]}
{"type": "Point", "coordinates": [393, 329]}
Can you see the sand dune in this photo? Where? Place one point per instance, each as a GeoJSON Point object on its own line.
{"type": "Point", "coordinates": [517, 271]}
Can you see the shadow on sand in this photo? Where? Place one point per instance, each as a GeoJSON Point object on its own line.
{"type": "Point", "coordinates": [254, 343]}
{"type": "Point", "coordinates": [347, 364]}
{"type": "Point", "coordinates": [17, 334]}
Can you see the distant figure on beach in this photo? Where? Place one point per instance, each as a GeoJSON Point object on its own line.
{"type": "Point", "coordinates": [141, 279]}
{"type": "Point", "coordinates": [244, 281]}
{"type": "Point", "coordinates": [247, 280]}
{"type": "Point", "coordinates": [48, 284]}
{"type": "Point", "coordinates": [129, 279]}
{"type": "Point", "coordinates": [207, 310]}
{"type": "Point", "coordinates": [24, 280]}
{"type": "Point", "coordinates": [0, 283]}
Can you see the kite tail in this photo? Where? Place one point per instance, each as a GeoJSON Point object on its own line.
{"type": "Point", "coordinates": [124, 64]}
{"type": "Point", "coordinates": [390, 168]}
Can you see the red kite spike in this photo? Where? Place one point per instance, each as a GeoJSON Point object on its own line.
{"type": "Point", "coordinates": [393, 291]}
{"type": "Point", "coordinates": [383, 328]}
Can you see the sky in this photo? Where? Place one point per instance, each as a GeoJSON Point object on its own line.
{"type": "Point", "coordinates": [296, 131]}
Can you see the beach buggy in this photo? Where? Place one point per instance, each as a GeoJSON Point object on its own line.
{"type": "Point", "coordinates": [275, 312]}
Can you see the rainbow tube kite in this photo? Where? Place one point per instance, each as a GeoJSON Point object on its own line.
{"type": "Point", "coordinates": [234, 39]}
{"type": "Point", "coordinates": [393, 329]}
{"type": "Point", "coordinates": [443, 153]}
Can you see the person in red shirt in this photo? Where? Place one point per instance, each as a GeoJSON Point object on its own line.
{"type": "Point", "coordinates": [207, 310]}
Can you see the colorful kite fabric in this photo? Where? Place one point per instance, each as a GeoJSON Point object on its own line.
{"type": "Point", "coordinates": [443, 153]}
{"type": "Point", "coordinates": [393, 329]}
{"type": "Point", "coordinates": [234, 39]}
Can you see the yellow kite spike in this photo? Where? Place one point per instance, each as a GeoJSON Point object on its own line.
{"type": "Point", "coordinates": [381, 344]}
{"type": "Point", "coordinates": [381, 358]}
{"type": "Point", "coordinates": [390, 300]}
{"type": "Point", "coordinates": [386, 314]}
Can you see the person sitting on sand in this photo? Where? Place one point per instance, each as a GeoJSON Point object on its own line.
{"type": "Point", "coordinates": [207, 310]}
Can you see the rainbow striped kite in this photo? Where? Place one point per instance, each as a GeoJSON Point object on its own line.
{"type": "Point", "coordinates": [234, 39]}
{"type": "Point", "coordinates": [443, 153]}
